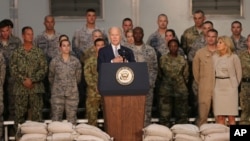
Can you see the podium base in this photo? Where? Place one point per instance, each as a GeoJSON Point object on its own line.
{"type": "Point", "coordinates": [124, 117]}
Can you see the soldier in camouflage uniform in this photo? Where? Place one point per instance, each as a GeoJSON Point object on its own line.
{"type": "Point", "coordinates": [163, 49]}
{"type": "Point", "coordinates": [238, 40]}
{"type": "Point", "coordinates": [48, 41]}
{"type": "Point", "coordinates": [8, 43]}
{"type": "Point", "coordinates": [157, 38]}
{"type": "Point", "coordinates": [187, 39]}
{"type": "Point", "coordinates": [97, 33]}
{"type": "Point", "coordinates": [245, 84]}
{"type": "Point", "coordinates": [145, 53]}
{"type": "Point", "coordinates": [2, 78]}
{"type": "Point", "coordinates": [93, 100]}
{"type": "Point", "coordinates": [173, 94]}
{"type": "Point", "coordinates": [28, 67]}
{"type": "Point", "coordinates": [64, 75]}
{"type": "Point", "coordinates": [82, 40]}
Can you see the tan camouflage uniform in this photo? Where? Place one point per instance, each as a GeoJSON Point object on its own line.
{"type": "Point", "coordinates": [93, 101]}
{"type": "Point", "coordinates": [146, 53]}
{"type": "Point", "coordinates": [33, 65]}
{"type": "Point", "coordinates": [245, 87]}
{"type": "Point", "coordinates": [2, 78]}
{"type": "Point", "coordinates": [63, 78]}
{"type": "Point", "coordinates": [173, 94]}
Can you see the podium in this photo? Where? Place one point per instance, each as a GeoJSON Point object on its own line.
{"type": "Point", "coordinates": [123, 87]}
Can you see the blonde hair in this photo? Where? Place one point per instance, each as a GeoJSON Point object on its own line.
{"type": "Point", "coordinates": [228, 42]}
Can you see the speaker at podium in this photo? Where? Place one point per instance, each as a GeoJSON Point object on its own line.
{"type": "Point", "coordinates": [123, 87]}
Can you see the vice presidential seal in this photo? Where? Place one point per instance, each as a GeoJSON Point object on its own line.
{"type": "Point", "coordinates": [125, 76]}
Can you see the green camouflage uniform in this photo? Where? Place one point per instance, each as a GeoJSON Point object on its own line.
{"type": "Point", "coordinates": [31, 64]}
{"type": "Point", "coordinates": [173, 93]}
{"type": "Point", "coordinates": [93, 97]}
{"type": "Point", "coordinates": [146, 53]}
{"type": "Point", "coordinates": [90, 52]}
{"type": "Point", "coordinates": [2, 77]}
{"type": "Point", "coordinates": [245, 87]}
{"type": "Point", "coordinates": [7, 50]}
{"type": "Point", "coordinates": [63, 78]}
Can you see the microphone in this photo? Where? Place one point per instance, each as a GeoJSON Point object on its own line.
{"type": "Point", "coordinates": [122, 52]}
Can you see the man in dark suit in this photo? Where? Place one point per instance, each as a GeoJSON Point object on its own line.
{"type": "Point", "coordinates": [114, 52]}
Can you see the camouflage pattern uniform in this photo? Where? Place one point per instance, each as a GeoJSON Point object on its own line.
{"type": "Point", "coordinates": [50, 47]}
{"type": "Point", "coordinates": [240, 45]}
{"type": "Point", "coordinates": [245, 87]}
{"type": "Point", "coordinates": [156, 40]}
{"type": "Point", "coordinates": [31, 64]}
{"type": "Point", "coordinates": [187, 41]}
{"type": "Point", "coordinates": [93, 101]}
{"type": "Point", "coordinates": [2, 78]}
{"type": "Point", "coordinates": [63, 78]}
{"type": "Point", "coordinates": [173, 94]}
{"type": "Point", "coordinates": [163, 49]}
{"type": "Point", "coordinates": [7, 50]}
{"type": "Point", "coordinates": [90, 52]}
{"type": "Point", "coordinates": [146, 53]}
{"type": "Point", "coordinates": [82, 40]}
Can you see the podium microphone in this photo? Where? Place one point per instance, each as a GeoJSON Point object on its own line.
{"type": "Point", "coordinates": [122, 52]}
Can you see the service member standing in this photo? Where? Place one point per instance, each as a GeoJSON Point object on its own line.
{"type": "Point", "coordinates": [64, 74]}
{"type": "Point", "coordinates": [145, 53]}
{"type": "Point", "coordinates": [28, 67]}
{"type": "Point", "coordinates": [245, 84]}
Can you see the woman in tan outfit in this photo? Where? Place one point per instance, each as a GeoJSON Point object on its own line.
{"type": "Point", "coordinates": [228, 75]}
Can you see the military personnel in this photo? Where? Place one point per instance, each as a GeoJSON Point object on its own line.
{"type": "Point", "coordinates": [245, 84]}
{"type": "Point", "coordinates": [64, 75]}
{"type": "Point", "coordinates": [8, 43]}
{"type": "Point", "coordinates": [82, 38]}
{"type": "Point", "coordinates": [173, 93]}
{"type": "Point", "coordinates": [204, 75]}
{"type": "Point", "coordinates": [97, 33]}
{"type": "Point", "coordinates": [157, 38]}
{"type": "Point", "coordinates": [48, 42]}
{"type": "Point", "coordinates": [238, 40]}
{"type": "Point", "coordinates": [93, 100]}
{"type": "Point", "coordinates": [145, 53]}
{"type": "Point", "coordinates": [2, 78]}
{"type": "Point", "coordinates": [187, 39]}
{"type": "Point", "coordinates": [28, 67]}
{"type": "Point", "coordinates": [169, 35]}
{"type": "Point", "coordinates": [127, 24]}
{"type": "Point", "coordinates": [200, 42]}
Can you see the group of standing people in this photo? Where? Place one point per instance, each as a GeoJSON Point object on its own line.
{"type": "Point", "coordinates": [201, 70]}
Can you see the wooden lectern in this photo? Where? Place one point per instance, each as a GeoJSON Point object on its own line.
{"type": "Point", "coordinates": [123, 87]}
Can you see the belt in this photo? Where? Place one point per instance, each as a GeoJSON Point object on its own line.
{"type": "Point", "coordinates": [246, 79]}
{"type": "Point", "coordinates": [222, 77]}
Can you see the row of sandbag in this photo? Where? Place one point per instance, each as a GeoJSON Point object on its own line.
{"type": "Point", "coordinates": [60, 131]}
{"type": "Point", "coordinates": [186, 132]}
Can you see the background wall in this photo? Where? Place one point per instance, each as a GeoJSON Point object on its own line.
{"type": "Point", "coordinates": [32, 12]}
